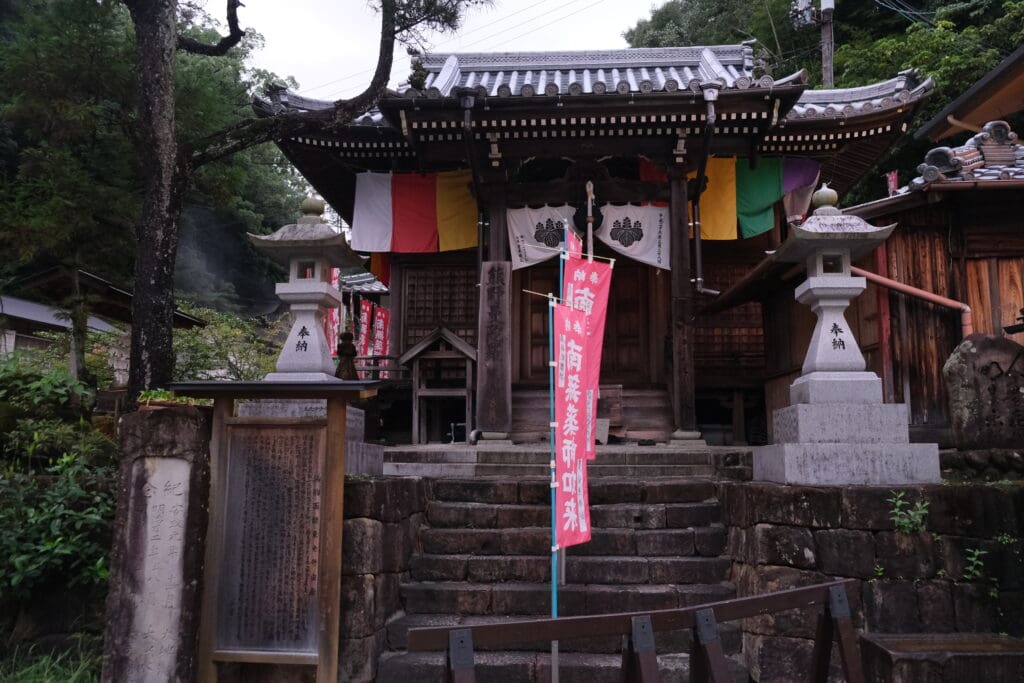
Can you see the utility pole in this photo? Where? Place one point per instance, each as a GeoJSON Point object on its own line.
{"type": "Point", "coordinates": [827, 8]}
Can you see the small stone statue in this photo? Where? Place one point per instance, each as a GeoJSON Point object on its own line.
{"type": "Point", "coordinates": [346, 358]}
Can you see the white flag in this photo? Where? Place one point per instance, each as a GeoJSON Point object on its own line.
{"type": "Point", "coordinates": [371, 221]}
{"type": "Point", "coordinates": [536, 235]}
{"type": "Point", "coordinates": [639, 232]}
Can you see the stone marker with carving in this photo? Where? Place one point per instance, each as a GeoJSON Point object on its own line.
{"type": "Point", "coordinates": [837, 430]}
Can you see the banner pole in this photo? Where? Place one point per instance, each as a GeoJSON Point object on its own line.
{"type": "Point", "coordinates": [554, 481]}
{"type": "Point", "coordinates": [590, 221]}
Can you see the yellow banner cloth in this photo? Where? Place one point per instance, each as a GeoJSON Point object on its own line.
{"type": "Point", "coordinates": [718, 202]}
{"type": "Point", "coordinates": [456, 211]}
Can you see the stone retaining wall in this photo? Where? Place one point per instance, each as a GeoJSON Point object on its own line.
{"type": "Point", "coordinates": [787, 536]}
{"type": "Point", "coordinates": [382, 518]}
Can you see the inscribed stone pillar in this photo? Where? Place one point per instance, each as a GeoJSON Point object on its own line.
{"type": "Point", "coordinates": [494, 351]}
{"type": "Point", "coordinates": [159, 534]}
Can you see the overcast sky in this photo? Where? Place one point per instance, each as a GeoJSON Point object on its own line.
{"type": "Point", "coordinates": [330, 46]}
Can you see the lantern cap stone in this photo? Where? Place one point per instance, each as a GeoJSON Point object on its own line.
{"type": "Point", "coordinates": [310, 237]}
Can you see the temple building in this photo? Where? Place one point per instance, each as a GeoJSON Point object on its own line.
{"type": "Point", "coordinates": [460, 183]}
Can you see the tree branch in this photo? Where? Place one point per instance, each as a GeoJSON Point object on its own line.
{"type": "Point", "coordinates": [354, 106]}
{"type": "Point", "coordinates": [221, 47]}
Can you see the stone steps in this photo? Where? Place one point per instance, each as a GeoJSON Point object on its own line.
{"type": "Point", "coordinates": [434, 469]}
{"type": "Point", "coordinates": [665, 642]}
{"type": "Point", "coordinates": [597, 569]}
{"type": "Point", "coordinates": [525, 598]}
{"type": "Point", "coordinates": [606, 516]}
{"type": "Point", "coordinates": [702, 541]}
{"type": "Point", "coordinates": [485, 555]}
{"type": "Point", "coordinates": [526, 667]}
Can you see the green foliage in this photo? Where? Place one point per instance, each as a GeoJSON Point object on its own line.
{"type": "Point", "coordinates": [57, 528]}
{"type": "Point", "coordinates": [974, 568]}
{"type": "Point", "coordinates": [57, 488]}
{"type": "Point", "coordinates": [70, 165]}
{"type": "Point", "coordinates": [879, 570]}
{"type": "Point", "coordinates": [28, 389]}
{"type": "Point", "coordinates": [229, 347]}
{"type": "Point", "coordinates": [907, 518]}
{"type": "Point", "coordinates": [80, 666]}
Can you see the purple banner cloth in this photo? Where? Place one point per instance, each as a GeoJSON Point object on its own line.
{"type": "Point", "coordinates": [797, 173]}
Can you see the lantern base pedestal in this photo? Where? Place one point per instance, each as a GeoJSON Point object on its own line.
{"type": "Point", "coordinates": [836, 387]}
{"type": "Point", "coordinates": [845, 464]}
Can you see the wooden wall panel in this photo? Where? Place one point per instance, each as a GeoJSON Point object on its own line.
{"type": "Point", "coordinates": [923, 334]}
{"type": "Point", "coordinates": [1011, 290]}
{"type": "Point", "coordinates": [979, 294]}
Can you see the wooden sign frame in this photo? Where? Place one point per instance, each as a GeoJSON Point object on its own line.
{"type": "Point", "coordinates": [331, 512]}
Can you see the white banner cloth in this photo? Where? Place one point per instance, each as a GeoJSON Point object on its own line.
{"type": "Point", "coordinates": [535, 235]}
{"type": "Point", "coordinates": [372, 220]}
{"type": "Point", "coordinates": [639, 232]}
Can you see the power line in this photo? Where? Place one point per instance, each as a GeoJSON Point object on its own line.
{"type": "Point", "coordinates": [443, 42]}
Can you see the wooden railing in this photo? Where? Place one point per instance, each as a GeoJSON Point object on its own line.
{"type": "Point", "coordinates": [707, 659]}
{"type": "Point", "coordinates": [371, 367]}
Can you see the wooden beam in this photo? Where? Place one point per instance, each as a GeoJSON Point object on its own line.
{"type": "Point", "coordinates": [682, 384]}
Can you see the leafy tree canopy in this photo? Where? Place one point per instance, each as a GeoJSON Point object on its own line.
{"type": "Point", "coordinates": [953, 42]}
{"type": "Point", "coordinates": [70, 163]}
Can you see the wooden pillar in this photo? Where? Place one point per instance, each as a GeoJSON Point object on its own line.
{"type": "Point", "coordinates": [682, 386]}
{"type": "Point", "coordinates": [494, 329]}
{"type": "Point", "coordinates": [494, 351]}
{"type": "Point", "coordinates": [497, 247]}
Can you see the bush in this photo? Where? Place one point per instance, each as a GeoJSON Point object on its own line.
{"type": "Point", "coordinates": [57, 485]}
{"type": "Point", "coordinates": [57, 527]}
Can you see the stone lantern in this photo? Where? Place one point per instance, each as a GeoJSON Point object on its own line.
{"type": "Point", "coordinates": [309, 249]}
{"type": "Point", "coordinates": [836, 429]}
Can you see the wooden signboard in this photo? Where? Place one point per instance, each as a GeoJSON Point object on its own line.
{"type": "Point", "coordinates": [272, 583]}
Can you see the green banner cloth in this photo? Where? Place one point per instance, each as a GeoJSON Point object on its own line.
{"type": "Point", "coordinates": [757, 190]}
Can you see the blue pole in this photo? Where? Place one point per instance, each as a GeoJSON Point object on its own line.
{"type": "Point", "coordinates": [554, 480]}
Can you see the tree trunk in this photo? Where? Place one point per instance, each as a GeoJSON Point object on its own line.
{"type": "Point", "coordinates": [165, 177]}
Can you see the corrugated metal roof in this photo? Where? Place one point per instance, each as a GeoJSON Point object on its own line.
{"type": "Point", "coordinates": [46, 315]}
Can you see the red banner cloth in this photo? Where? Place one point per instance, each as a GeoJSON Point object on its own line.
{"type": "Point", "coordinates": [414, 208]}
{"type": "Point", "coordinates": [365, 323]}
{"type": "Point", "coordinates": [572, 498]}
{"type": "Point", "coordinates": [380, 334]}
{"type": "Point", "coordinates": [586, 288]}
{"type": "Point", "coordinates": [573, 243]}
{"type": "Point", "coordinates": [331, 320]}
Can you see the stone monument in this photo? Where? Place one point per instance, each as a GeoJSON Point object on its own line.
{"type": "Point", "coordinates": [837, 430]}
{"type": "Point", "coordinates": [309, 249]}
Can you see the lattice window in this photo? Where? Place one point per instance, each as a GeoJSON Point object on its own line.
{"type": "Point", "coordinates": [730, 342]}
{"type": "Point", "coordinates": [440, 295]}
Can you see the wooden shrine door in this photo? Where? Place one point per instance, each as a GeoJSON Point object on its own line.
{"type": "Point", "coordinates": [628, 347]}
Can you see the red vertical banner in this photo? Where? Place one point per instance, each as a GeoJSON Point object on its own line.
{"type": "Point", "coordinates": [380, 334]}
{"type": "Point", "coordinates": [573, 243]}
{"type": "Point", "coordinates": [332, 321]}
{"type": "Point", "coordinates": [365, 325]}
{"type": "Point", "coordinates": [586, 288]}
{"type": "Point", "coordinates": [572, 497]}
{"type": "Point", "coordinates": [892, 182]}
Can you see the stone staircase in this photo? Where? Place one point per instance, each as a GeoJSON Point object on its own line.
{"type": "Point", "coordinates": [485, 555]}
{"type": "Point", "coordinates": [526, 460]}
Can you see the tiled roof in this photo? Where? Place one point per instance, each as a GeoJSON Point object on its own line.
{"type": "Point", "coordinates": [905, 88]}
{"type": "Point", "coordinates": [596, 72]}
{"type": "Point", "coordinates": [992, 154]}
